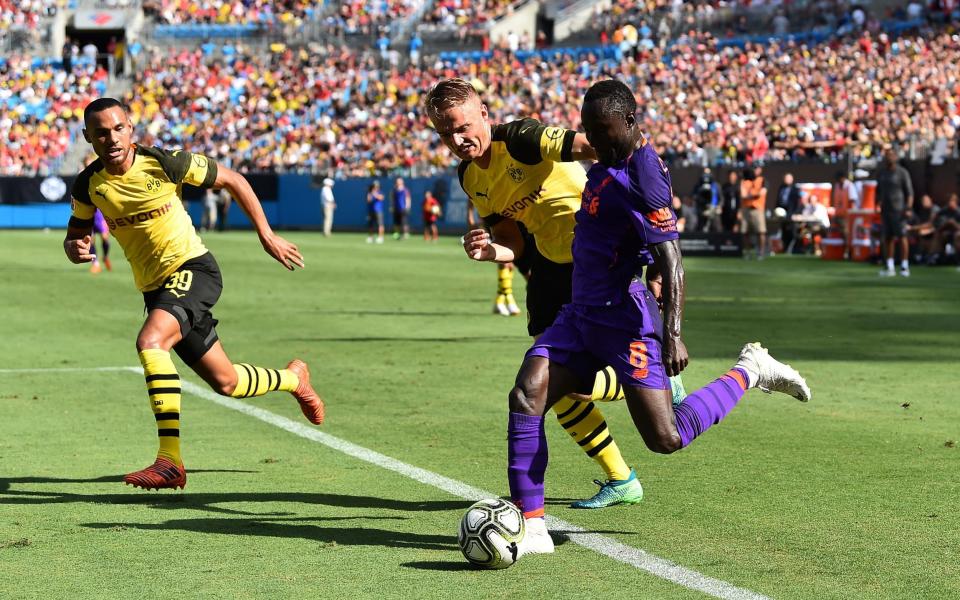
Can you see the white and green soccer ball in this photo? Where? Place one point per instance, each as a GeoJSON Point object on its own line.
{"type": "Point", "coordinates": [490, 532]}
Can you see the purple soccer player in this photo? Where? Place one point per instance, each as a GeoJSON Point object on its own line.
{"type": "Point", "coordinates": [100, 227]}
{"type": "Point", "coordinates": [625, 223]}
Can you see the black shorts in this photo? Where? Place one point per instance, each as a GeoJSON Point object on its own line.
{"type": "Point", "coordinates": [189, 294]}
{"type": "Point", "coordinates": [893, 223]}
{"type": "Point", "coordinates": [399, 218]}
{"type": "Point", "coordinates": [374, 219]}
{"type": "Point", "coordinates": [550, 287]}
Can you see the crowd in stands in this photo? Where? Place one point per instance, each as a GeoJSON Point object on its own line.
{"type": "Point", "coordinates": [655, 21]}
{"type": "Point", "coordinates": [468, 13]}
{"type": "Point", "coordinates": [330, 108]}
{"type": "Point", "coordinates": [359, 16]}
{"type": "Point", "coordinates": [232, 12]}
{"type": "Point", "coordinates": [22, 19]}
{"type": "Point", "coordinates": [41, 105]}
{"type": "Point", "coordinates": [327, 109]}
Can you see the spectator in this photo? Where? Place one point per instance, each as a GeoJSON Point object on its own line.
{"type": "Point", "coordinates": [730, 203]}
{"type": "Point", "coordinates": [67, 55]}
{"type": "Point", "coordinates": [90, 52]}
{"type": "Point", "coordinates": [947, 237]}
{"type": "Point", "coordinates": [374, 213]}
{"type": "Point", "coordinates": [753, 202]}
{"type": "Point", "coordinates": [431, 214]}
{"type": "Point", "coordinates": [401, 210]}
{"type": "Point", "coordinates": [416, 43]}
{"type": "Point", "coordinates": [706, 195]}
{"type": "Point", "coordinates": [329, 205]}
{"type": "Point", "coordinates": [208, 220]}
{"type": "Point", "coordinates": [814, 222]}
{"type": "Point", "coordinates": [224, 199]}
{"type": "Point", "coordinates": [921, 228]}
{"type": "Point", "coordinates": [788, 199]}
{"type": "Point", "coordinates": [894, 198]}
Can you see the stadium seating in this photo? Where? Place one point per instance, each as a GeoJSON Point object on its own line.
{"type": "Point", "coordinates": [40, 110]}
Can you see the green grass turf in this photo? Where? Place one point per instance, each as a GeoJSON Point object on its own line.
{"type": "Point", "coordinates": [850, 496]}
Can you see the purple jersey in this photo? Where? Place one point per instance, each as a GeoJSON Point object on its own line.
{"type": "Point", "coordinates": [625, 209]}
{"type": "Point", "coordinates": [99, 224]}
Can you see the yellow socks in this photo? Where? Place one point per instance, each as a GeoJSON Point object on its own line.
{"type": "Point", "coordinates": [504, 280]}
{"type": "Point", "coordinates": [586, 425]}
{"type": "Point", "coordinates": [163, 387]}
{"type": "Point", "coordinates": [257, 381]}
{"type": "Point", "coordinates": [606, 388]}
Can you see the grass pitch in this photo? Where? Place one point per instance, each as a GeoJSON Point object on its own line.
{"type": "Point", "coordinates": [850, 496]}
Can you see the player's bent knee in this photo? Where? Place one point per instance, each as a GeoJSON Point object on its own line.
{"type": "Point", "coordinates": [149, 341]}
{"type": "Point", "coordinates": [666, 443]}
{"type": "Point", "coordinates": [523, 401]}
{"type": "Point", "coordinates": [223, 384]}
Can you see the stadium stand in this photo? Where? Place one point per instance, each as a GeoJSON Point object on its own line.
{"type": "Point", "coordinates": [706, 101]}
{"type": "Point", "coordinates": [41, 108]}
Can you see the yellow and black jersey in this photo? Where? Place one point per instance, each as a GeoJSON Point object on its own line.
{"type": "Point", "coordinates": [144, 209]}
{"type": "Point", "coordinates": [530, 179]}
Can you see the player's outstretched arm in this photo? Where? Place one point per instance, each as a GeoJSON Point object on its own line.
{"type": "Point", "coordinates": [286, 253]}
{"type": "Point", "coordinates": [667, 260]}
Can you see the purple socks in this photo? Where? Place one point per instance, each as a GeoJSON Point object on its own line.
{"type": "Point", "coordinates": [526, 462]}
{"type": "Point", "coordinates": [710, 404]}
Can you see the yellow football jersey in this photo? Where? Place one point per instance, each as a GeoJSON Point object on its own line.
{"type": "Point", "coordinates": [530, 179]}
{"type": "Point", "coordinates": [144, 209]}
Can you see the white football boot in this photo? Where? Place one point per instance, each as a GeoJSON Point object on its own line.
{"type": "Point", "coordinates": [537, 539]}
{"type": "Point", "coordinates": [770, 375]}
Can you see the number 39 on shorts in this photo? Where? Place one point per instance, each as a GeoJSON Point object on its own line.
{"type": "Point", "coordinates": [180, 280]}
{"type": "Point", "coordinates": [639, 359]}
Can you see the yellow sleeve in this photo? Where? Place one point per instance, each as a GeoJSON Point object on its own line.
{"type": "Point", "coordinates": [201, 171]}
{"type": "Point", "coordinates": [184, 167]}
{"type": "Point", "coordinates": [81, 210]}
{"type": "Point", "coordinates": [556, 144]}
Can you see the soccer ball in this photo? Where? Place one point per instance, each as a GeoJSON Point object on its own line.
{"type": "Point", "coordinates": [490, 532]}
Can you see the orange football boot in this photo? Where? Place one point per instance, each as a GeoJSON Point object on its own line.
{"type": "Point", "coordinates": [310, 402]}
{"type": "Point", "coordinates": [163, 473]}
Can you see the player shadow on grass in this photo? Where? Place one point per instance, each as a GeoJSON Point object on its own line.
{"type": "Point", "coordinates": [403, 313]}
{"type": "Point", "coordinates": [294, 528]}
{"type": "Point", "coordinates": [209, 502]}
{"type": "Point", "coordinates": [6, 481]}
{"type": "Point", "coordinates": [413, 339]}
{"type": "Point", "coordinates": [441, 565]}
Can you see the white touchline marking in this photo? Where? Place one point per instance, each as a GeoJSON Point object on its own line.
{"type": "Point", "coordinates": [601, 544]}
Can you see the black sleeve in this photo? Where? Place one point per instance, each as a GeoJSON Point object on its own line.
{"type": "Point", "coordinates": [492, 219]}
{"type": "Point", "coordinates": [77, 223]}
{"type": "Point", "coordinates": [522, 138]}
{"type": "Point", "coordinates": [81, 188]}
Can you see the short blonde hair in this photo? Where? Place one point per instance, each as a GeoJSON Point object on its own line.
{"type": "Point", "coordinates": [448, 94]}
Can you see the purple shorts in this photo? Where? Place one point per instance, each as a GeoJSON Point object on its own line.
{"type": "Point", "coordinates": [627, 337]}
{"type": "Point", "coordinates": [99, 223]}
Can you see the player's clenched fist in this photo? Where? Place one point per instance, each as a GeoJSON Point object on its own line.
{"type": "Point", "coordinates": [78, 251]}
{"type": "Point", "coordinates": [478, 246]}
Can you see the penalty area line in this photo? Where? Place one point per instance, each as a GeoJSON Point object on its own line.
{"type": "Point", "coordinates": [601, 544]}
